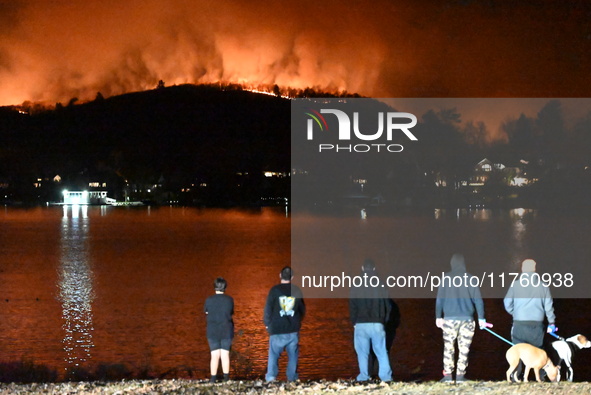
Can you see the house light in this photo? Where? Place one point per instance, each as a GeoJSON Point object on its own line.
{"type": "Point", "coordinates": [519, 181]}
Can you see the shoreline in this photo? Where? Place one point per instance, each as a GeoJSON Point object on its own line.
{"type": "Point", "coordinates": [303, 387]}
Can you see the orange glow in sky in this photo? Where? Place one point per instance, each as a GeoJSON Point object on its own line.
{"type": "Point", "coordinates": [53, 51]}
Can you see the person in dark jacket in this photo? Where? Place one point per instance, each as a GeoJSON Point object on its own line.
{"type": "Point", "coordinates": [369, 309]}
{"type": "Point", "coordinates": [283, 316]}
{"type": "Point", "coordinates": [456, 303]}
{"type": "Point", "coordinates": [220, 328]}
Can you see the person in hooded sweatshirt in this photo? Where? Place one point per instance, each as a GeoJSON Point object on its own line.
{"type": "Point", "coordinates": [370, 309]}
{"type": "Point", "coordinates": [457, 301]}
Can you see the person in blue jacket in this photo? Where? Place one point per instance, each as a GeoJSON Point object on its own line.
{"type": "Point", "coordinates": [529, 301]}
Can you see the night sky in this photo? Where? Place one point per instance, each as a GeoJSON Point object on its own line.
{"type": "Point", "coordinates": [56, 50]}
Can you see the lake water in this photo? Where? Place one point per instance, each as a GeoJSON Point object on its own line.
{"type": "Point", "coordinates": [107, 292]}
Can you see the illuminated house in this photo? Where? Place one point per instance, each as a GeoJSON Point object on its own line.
{"type": "Point", "coordinates": [483, 170]}
{"type": "Point", "coordinates": [87, 197]}
{"type": "Point", "coordinates": [486, 169]}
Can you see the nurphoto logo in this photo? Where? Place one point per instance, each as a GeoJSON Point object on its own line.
{"type": "Point", "coordinates": [392, 123]}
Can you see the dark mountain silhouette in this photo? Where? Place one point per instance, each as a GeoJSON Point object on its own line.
{"type": "Point", "coordinates": [178, 138]}
{"type": "Point", "coordinates": [212, 144]}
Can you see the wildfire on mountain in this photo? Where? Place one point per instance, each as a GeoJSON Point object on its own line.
{"type": "Point", "coordinates": [53, 51]}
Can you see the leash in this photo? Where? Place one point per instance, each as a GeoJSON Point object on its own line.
{"type": "Point", "coordinates": [508, 342]}
{"type": "Point", "coordinates": [556, 336]}
{"type": "Point", "coordinates": [499, 336]}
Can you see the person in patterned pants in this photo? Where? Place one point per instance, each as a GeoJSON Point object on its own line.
{"type": "Point", "coordinates": [463, 332]}
{"type": "Point", "coordinates": [457, 301]}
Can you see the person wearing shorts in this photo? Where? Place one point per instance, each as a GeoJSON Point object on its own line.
{"type": "Point", "coordinates": [219, 309]}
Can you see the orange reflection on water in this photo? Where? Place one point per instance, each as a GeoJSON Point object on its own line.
{"type": "Point", "coordinates": [76, 287]}
{"type": "Point", "coordinates": [119, 292]}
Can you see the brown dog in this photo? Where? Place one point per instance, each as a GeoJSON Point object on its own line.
{"type": "Point", "coordinates": [532, 357]}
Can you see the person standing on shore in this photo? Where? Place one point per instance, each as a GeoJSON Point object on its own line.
{"type": "Point", "coordinates": [284, 311]}
{"type": "Point", "coordinates": [369, 309]}
{"type": "Point", "coordinates": [454, 313]}
{"type": "Point", "coordinates": [219, 309]}
{"type": "Point", "coordinates": [529, 301]}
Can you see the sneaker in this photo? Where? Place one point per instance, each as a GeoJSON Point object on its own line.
{"type": "Point", "coordinates": [213, 379]}
{"type": "Point", "coordinates": [447, 379]}
{"type": "Point", "coordinates": [226, 377]}
{"type": "Point", "coordinates": [461, 379]}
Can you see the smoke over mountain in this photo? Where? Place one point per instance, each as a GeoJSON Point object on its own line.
{"type": "Point", "coordinates": [55, 50]}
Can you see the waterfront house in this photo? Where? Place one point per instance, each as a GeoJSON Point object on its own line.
{"type": "Point", "coordinates": [87, 197]}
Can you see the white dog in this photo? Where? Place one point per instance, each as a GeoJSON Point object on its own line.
{"type": "Point", "coordinates": [566, 349]}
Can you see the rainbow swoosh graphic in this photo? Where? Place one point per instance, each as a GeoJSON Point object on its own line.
{"type": "Point", "coordinates": [316, 116]}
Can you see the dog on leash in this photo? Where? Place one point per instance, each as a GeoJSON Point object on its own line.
{"type": "Point", "coordinates": [566, 348]}
{"type": "Point", "coordinates": [533, 358]}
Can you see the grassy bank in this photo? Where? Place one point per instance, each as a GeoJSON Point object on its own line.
{"type": "Point", "coordinates": [313, 387]}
